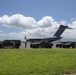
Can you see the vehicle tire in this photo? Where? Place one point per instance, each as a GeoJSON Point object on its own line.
{"type": "Point", "coordinates": [57, 46]}
{"type": "Point", "coordinates": [73, 47]}
{"type": "Point", "coordinates": [64, 47]}
{"type": "Point", "coordinates": [16, 46]}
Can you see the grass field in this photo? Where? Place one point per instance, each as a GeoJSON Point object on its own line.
{"type": "Point", "coordinates": [37, 61]}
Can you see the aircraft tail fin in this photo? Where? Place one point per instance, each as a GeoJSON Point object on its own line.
{"type": "Point", "coordinates": [60, 30]}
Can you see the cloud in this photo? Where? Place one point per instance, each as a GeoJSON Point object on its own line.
{"type": "Point", "coordinates": [22, 22]}
{"type": "Point", "coordinates": [18, 21]}
{"type": "Point", "coordinates": [46, 27]}
{"type": "Point", "coordinates": [63, 23]}
{"type": "Point", "coordinates": [45, 21]}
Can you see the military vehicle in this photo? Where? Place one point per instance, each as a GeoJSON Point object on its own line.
{"type": "Point", "coordinates": [10, 44]}
{"type": "Point", "coordinates": [66, 45]}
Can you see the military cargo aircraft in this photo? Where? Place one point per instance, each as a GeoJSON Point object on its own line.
{"type": "Point", "coordinates": [56, 36]}
{"type": "Point", "coordinates": [46, 42]}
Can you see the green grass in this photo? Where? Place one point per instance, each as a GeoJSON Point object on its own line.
{"type": "Point", "coordinates": [37, 61]}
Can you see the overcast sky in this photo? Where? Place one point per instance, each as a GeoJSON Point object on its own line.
{"type": "Point", "coordinates": [36, 18]}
